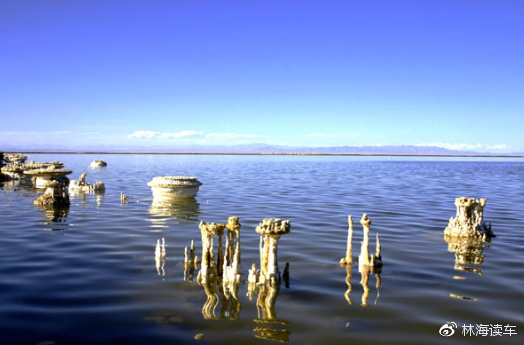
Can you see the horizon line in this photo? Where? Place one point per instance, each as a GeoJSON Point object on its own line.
{"type": "Point", "coordinates": [483, 155]}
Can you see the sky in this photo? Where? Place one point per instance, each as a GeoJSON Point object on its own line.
{"type": "Point", "coordinates": [169, 73]}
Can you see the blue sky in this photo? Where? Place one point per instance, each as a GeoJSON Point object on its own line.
{"type": "Point", "coordinates": [302, 73]}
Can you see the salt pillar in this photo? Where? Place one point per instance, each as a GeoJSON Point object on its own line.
{"type": "Point", "coordinates": [469, 219]}
{"type": "Point", "coordinates": [272, 230]}
{"type": "Point", "coordinates": [364, 248]}
{"type": "Point", "coordinates": [56, 194]}
{"type": "Point", "coordinates": [349, 250]}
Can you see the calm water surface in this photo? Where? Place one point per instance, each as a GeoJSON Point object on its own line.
{"type": "Point", "coordinates": [87, 274]}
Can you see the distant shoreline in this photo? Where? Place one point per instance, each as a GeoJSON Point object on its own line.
{"type": "Point", "coordinates": [270, 154]}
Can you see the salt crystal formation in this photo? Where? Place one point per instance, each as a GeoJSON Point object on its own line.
{"type": "Point", "coordinates": [220, 271]}
{"type": "Point", "coordinates": [44, 175]}
{"type": "Point", "coordinates": [81, 186]}
{"type": "Point", "coordinates": [364, 259]}
{"type": "Point", "coordinates": [16, 171]}
{"type": "Point", "coordinates": [469, 220]}
{"type": "Point", "coordinates": [169, 187]}
{"type": "Point", "coordinates": [366, 264]}
{"type": "Point", "coordinates": [267, 281]}
{"type": "Point", "coordinates": [15, 158]}
{"type": "Point", "coordinates": [97, 163]}
{"type": "Point", "coordinates": [271, 231]}
{"type": "Point", "coordinates": [190, 262]}
{"type": "Point", "coordinates": [349, 248]}
{"type": "Point", "coordinates": [56, 194]}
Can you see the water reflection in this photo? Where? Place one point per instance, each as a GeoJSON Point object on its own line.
{"type": "Point", "coordinates": [55, 216]}
{"type": "Point", "coordinates": [468, 252]}
{"type": "Point", "coordinates": [267, 315]}
{"type": "Point", "coordinates": [179, 207]}
{"type": "Point", "coordinates": [160, 257]}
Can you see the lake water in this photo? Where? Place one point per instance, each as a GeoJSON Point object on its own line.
{"type": "Point", "coordinates": [87, 274]}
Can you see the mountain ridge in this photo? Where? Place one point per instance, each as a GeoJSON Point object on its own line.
{"type": "Point", "coordinates": [261, 148]}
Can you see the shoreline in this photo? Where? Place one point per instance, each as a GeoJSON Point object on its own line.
{"type": "Point", "coordinates": [271, 154]}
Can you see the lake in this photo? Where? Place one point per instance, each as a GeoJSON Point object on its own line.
{"type": "Point", "coordinates": [87, 274]}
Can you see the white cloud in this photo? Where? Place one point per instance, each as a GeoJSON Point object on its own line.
{"type": "Point", "coordinates": [231, 135]}
{"type": "Point", "coordinates": [454, 146]}
{"type": "Point", "coordinates": [182, 134]}
{"type": "Point", "coordinates": [190, 134]}
{"type": "Point", "coordinates": [143, 134]}
{"type": "Point", "coordinates": [499, 147]}
{"type": "Point", "coordinates": [331, 135]}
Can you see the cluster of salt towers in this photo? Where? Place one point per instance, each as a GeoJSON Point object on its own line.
{"type": "Point", "coordinates": [50, 176]}
{"type": "Point", "coordinates": [220, 270]}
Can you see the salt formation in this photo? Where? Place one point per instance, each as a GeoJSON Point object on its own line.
{"type": "Point", "coordinates": [232, 270]}
{"type": "Point", "coordinates": [169, 187]}
{"type": "Point", "coordinates": [2, 176]}
{"type": "Point", "coordinates": [15, 158]}
{"type": "Point", "coordinates": [349, 248]}
{"type": "Point", "coordinates": [366, 264]}
{"type": "Point", "coordinates": [124, 199]}
{"type": "Point", "coordinates": [81, 186]}
{"type": "Point", "coordinates": [267, 281]}
{"type": "Point", "coordinates": [17, 170]}
{"type": "Point", "coordinates": [13, 172]}
{"type": "Point", "coordinates": [44, 175]}
{"type": "Point", "coordinates": [97, 163]}
{"type": "Point", "coordinates": [220, 272]}
{"type": "Point", "coordinates": [160, 257]}
{"type": "Point", "coordinates": [270, 230]}
{"type": "Point", "coordinates": [469, 220]}
{"type": "Point", "coordinates": [190, 262]}
{"type": "Point", "coordinates": [364, 259]}
{"type": "Point", "coordinates": [56, 194]}
{"type": "Point", "coordinates": [467, 233]}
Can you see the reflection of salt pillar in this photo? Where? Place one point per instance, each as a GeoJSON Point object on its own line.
{"type": "Point", "coordinates": [377, 286]}
{"type": "Point", "coordinates": [160, 257]}
{"type": "Point", "coordinates": [210, 287]}
{"type": "Point", "coordinates": [349, 275]}
{"type": "Point", "coordinates": [364, 249]}
{"type": "Point", "coordinates": [364, 271]}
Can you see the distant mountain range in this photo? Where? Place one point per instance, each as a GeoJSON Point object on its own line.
{"type": "Point", "coordinates": [261, 148]}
